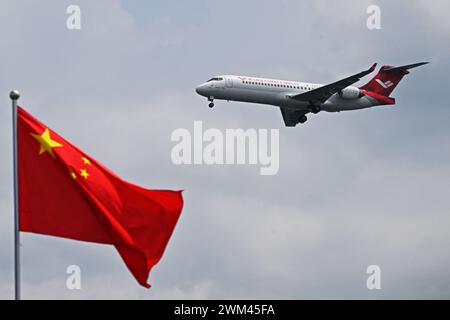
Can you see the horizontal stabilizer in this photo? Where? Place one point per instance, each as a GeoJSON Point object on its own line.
{"type": "Point", "coordinates": [406, 67]}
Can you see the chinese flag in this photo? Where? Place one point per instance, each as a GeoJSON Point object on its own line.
{"type": "Point", "coordinates": [65, 193]}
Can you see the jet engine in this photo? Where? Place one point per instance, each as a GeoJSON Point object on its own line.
{"type": "Point", "coordinates": [350, 93]}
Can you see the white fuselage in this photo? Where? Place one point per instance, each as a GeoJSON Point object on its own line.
{"type": "Point", "coordinates": [275, 92]}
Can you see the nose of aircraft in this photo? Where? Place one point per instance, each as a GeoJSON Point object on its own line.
{"type": "Point", "coordinates": [201, 90]}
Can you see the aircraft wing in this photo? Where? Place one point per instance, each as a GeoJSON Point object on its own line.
{"type": "Point", "coordinates": [291, 117]}
{"type": "Point", "coordinates": [323, 93]}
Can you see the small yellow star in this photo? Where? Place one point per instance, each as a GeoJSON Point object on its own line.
{"type": "Point", "coordinates": [86, 161]}
{"type": "Point", "coordinates": [84, 173]}
{"type": "Point", "coordinates": [47, 144]}
{"type": "Point", "coordinates": [73, 175]}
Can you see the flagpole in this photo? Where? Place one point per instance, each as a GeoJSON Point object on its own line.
{"type": "Point", "coordinates": [14, 95]}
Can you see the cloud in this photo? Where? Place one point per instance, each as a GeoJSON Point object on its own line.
{"type": "Point", "coordinates": [354, 189]}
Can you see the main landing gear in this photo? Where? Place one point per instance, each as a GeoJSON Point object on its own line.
{"type": "Point", "coordinates": [315, 109]}
{"type": "Point", "coordinates": [302, 119]}
{"type": "Point", "coordinates": [211, 102]}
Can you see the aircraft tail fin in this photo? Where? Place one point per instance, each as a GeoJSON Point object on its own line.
{"type": "Point", "coordinates": [388, 78]}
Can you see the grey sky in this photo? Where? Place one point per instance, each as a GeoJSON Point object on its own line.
{"type": "Point", "coordinates": [354, 189]}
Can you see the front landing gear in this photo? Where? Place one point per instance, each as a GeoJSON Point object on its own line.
{"type": "Point", "coordinates": [211, 100]}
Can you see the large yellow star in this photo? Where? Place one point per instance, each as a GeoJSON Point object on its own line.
{"type": "Point", "coordinates": [47, 144]}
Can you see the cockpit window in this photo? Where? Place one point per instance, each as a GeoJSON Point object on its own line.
{"type": "Point", "coordinates": [215, 79]}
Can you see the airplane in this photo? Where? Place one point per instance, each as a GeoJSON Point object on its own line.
{"type": "Point", "coordinates": [297, 99]}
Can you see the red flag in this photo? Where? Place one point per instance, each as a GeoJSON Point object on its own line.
{"type": "Point", "coordinates": [65, 193]}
